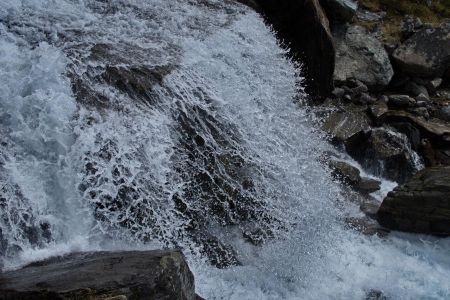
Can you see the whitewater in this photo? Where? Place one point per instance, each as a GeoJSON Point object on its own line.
{"type": "Point", "coordinates": [149, 124]}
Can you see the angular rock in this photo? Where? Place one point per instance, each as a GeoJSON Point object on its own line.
{"type": "Point", "coordinates": [426, 53]}
{"type": "Point", "coordinates": [368, 185]}
{"type": "Point", "coordinates": [383, 152]}
{"type": "Point", "coordinates": [434, 129]}
{"type": "Point", "coordinates": [340, 11]}
{"type": "Point", "coordinates": [361, 56]}
{"type": "Point", "coordinates": [101, 275]}
{"type": "Point", "coordinates": [345, 172]}
{"type": "Point", "coordinates": [341, 125]}
{"type": "Point", "coordinates": [421, 205]}
{"type": "Point", "coordinates": [378, 109]}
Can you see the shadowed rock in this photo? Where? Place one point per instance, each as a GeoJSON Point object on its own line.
{"type": "Point", "coordinates": [102, 275]}
{"type": "Point", "coordinates": [421, 205]}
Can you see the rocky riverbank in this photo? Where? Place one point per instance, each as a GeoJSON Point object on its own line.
{"type": "Point", "coordinates": [380, 76]}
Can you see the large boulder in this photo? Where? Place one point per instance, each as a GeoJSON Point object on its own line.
{"type": "Point", "coordinates": [426, 53]}
{"type": "Point", "coordinates": [305, 27]}
{"type": "Point", "coordinates": [421, 205]}
{"type": "Point", "coordinates": [340, 11]}
{"type": "Point", "coordinates": [360, 56]}
{"type": "Point", "coordinates": [102, 275]}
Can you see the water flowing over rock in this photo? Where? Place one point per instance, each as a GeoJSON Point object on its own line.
{"type": "Point", "coordinates": [420, 205]}
{"type": "Point", "coordinates": [385, 152]}
{"type": "Point", "coordinates": [304, 25]}
{"type": "Point", "coordinates": [102, 275]}
{"type": "Point", "coordinates": [173, 124]}
{"type": "Point", "coordinates": [361, 56]}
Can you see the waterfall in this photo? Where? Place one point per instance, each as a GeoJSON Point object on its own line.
{"type": "Point", "coordinates": [132, 124]}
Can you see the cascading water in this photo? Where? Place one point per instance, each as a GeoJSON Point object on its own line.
{"type": "Point", "coordinates": [169, 123]}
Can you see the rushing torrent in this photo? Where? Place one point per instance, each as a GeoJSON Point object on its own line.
{"type": "Point", "coordinates": [171, 123]}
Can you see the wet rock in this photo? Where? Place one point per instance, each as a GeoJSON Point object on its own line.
{"type": "Point", "coordinates": [368, 185]}
{"type": "Point", "coordinates": [101, 275]}
{"type": "Point", "coordinates": [410, 131]}
{"type": "Point", "coordinates": [444, 113]}
{"type": "Point", "coordinates": [361, 56]}
{"type": "Point", "coordinates": [297, 21]}
{"type": "Point", "coordinates": [422, 98]}
{"type": "Point", "coordinates": [366, 226]}
{"type": "Point", "coordinates": [415, 89]}
{"type": "Point", "coordinates": [426, 53]}
{"type": "Point", "coordinates": [366, 99]}
{"type": "Point", "coordinates": [378, 109]}
{"type": "Point", "coordinates": [340, 11]}
{"type": "Point", "coordinates": [345, 123]}
{"type": "Point", "coordinates": [401, 101]}
{"type": "Point", "coordinates": [351, 176]}
{"type": "Point", "coordinates": [346, 172]}
{"type": "Point", "coordinates": [370, 208]}
{"type": "Point", "coordinates": [338, 92]}
{"type": "Point", "coordinates": [435, 129]}
{"type": "Point", "coordinates": [421, 112]}
{"type": "Point", "coordinates": [384, 152]}
{"type": "Point", "coordinates": [421, 205]}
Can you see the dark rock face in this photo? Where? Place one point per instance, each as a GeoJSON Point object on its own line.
{"type": "Point", "coordinates": [421, 205]}
{"type": "Point", "coordinates": [304, 25]}
{"type": "Point", "coordinates": [383, 151]}
{"type": "Point", "coordinates": [351, 175]}
{"type": "Point", "coordinates": [359, 55]}
{"type": "Point", "coordinates": [340, 11]}
{"type": "Point", "coordinates": [426, 53]}
{"type": "Point", "coordinates": [101, 275]}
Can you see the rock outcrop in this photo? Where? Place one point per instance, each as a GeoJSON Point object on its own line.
{"type": "Point", "coordinates": [426, 53]}
{"type": "Point", "coordinates": [305, 27]}
{"type": "Point", "coordinates": [421, 205]}
{"type": "Point", "coordinates": [102, 275]}
{"type": "Point", "coordinates": [340, 11]}
{"type": "Point", "coordinates": [360, 56]}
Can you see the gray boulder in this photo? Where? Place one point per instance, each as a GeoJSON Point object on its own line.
{"type": "Point", "coordinates": [421, 205]}
{"type": "Point", "coordinates": [345, 123]}
{"type": "Point", "coordinates": [361, 56]}
{"type": "Point", "coordinates": [102, 275]}
{"type": "Point", "coordinates": [426, 53]}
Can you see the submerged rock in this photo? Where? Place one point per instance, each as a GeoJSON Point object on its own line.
{"type": "Point", "coordinates": [426, 53]}
{"type": "Point", "coordinates": [361, 56]}
{"type": "Point", "coordinates": [102, 275]}
{"type": "Point", "coordinates": [421, 205]}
